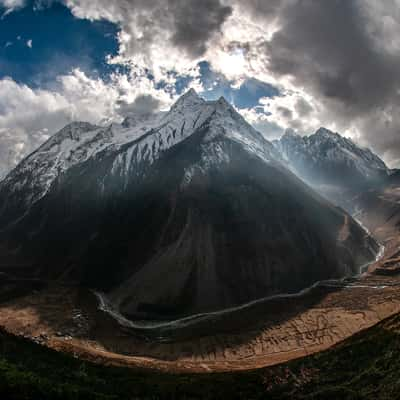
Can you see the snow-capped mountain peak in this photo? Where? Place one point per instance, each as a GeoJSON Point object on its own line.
{"type": "Point", "coordinates": [137, 142]}
{"type": "Point", "coordinates": [189, 99]}
{"type": "Point", "coordinates": [132, 121]}
{"type": "Point", "coordinates": [190, 113]}
{"type": "Point", "coordinates": [326, 156]}
{"type": "Point", "coordinates": [326, 132]}
{"type": "Point", "coordinates": [290, 133]}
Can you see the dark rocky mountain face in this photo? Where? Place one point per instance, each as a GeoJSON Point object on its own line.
{"type": "Point", "coordinates": [209, 221]}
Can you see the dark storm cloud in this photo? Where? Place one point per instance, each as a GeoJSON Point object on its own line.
{"type": "Point", "coordinates": [142, 105]}
{"type": "Point", "coordinates": [195, 22]}
{"type": "Point", "coordinates": [346, 54]}
{"type": "Point", "coordinates": [342, 57]}
{"type": "Point", "coordinates": [285, 112]}
{"type": "Point", "coordinates": [303, 108]}
{"type": "Point", "coordinates": [262, 8]}
{"type": "Point", "coordinates": [325, 45]}
{"type": "Point", "coordinates": [186, 24]}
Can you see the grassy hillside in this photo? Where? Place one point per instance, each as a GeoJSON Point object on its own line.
{"type": "Point", "coordinates": [364, 367]}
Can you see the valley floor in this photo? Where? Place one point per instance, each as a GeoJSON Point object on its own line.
{"type": "Point", "coordinates": [365, 366]}
{"type": "Point", "coordinates": [338, 340]}
{"type": "Point", "coordinates": [68, 319]}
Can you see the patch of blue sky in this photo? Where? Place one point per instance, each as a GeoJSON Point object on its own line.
{"type": "Point", "coordinates": [247, 95]}
{"type": "Point", "coordinates": [38, 44]}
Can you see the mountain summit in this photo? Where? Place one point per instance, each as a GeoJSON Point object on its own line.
{"type": "Point", "coordinates": [329, 158]}
{"type": "Point", "coordinates": [188, 211]}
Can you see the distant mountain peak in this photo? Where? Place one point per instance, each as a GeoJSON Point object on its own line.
{"type": "Point", "coordinates": [188, 99]}
{"type": "Point", "coordinates": [291, 133]}
{"type": "Point", "coordinates": [75, 128]}
{"type": "Point", "coordinates": [325, 132]}
{"type": "Point", "coordinates": [190, 93]}
{"type": "Point", "coordinates": [329, 158]}
{"type": "Point", "coordinates": [132, 121]}
{"type": "Point", "coordinates": [223, 102]}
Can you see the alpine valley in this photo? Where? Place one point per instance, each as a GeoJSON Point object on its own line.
{"type": "Point", "coordinates": [184, 212]}
{"type": "Point", "coordinates": [184, 241]}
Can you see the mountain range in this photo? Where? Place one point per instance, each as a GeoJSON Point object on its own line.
{"type": "Point", "coordinates": [186, 211]}
{"type": "Point", "coordinates": [327, 157]}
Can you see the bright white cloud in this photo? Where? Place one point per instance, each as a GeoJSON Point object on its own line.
{"type": "Point", "coordinates": [158, 36]}
{"type": "Point", "coordinates": [169, 41]}
{"type": "Point", "coordinates": [29, 43]}
{"type": "Point", "coordinates": [11, 5]}
{"type": "Point", "coordinates": [28, 116]}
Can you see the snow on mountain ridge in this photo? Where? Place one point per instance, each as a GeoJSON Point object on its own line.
{"type": "Point", "coordinates": [137, 140]}
{"type": "Point", "coordinates": [32, 178]}
{"type": "Point", "coordinates": [359, 154]}
{"type": "Point", "coordinates": [188, 114]}
{"type": "Point", "coordinates": [328, 150]}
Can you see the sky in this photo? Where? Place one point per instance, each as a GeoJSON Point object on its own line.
{"type": "Point", "coordinates": [298, 64]}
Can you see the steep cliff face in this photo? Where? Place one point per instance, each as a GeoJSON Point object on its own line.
{"type": "Point", "coordinates": [190, 211]}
